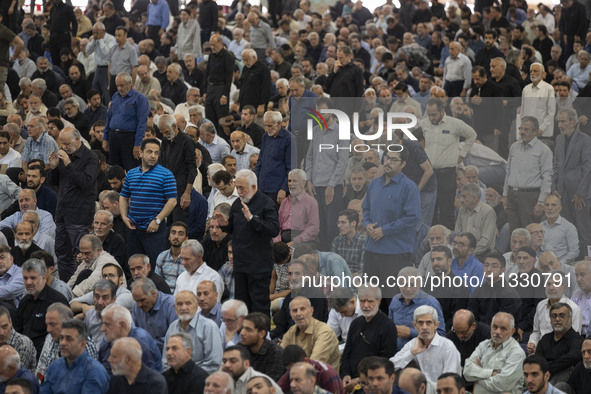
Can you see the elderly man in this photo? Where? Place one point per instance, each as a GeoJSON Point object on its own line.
{"type": "Point", "coordinates": [255, 81]}
{"type": "Point", "coordinates": [233, 313]}
{"type": "Point", "coordinates": [579, 72]}
{"type": "Point", "coordinates": [130, 370]}
{"type": "Point", "coordinates": [113, 243]}
{"type": "Point", "coordinates": [582, 296]}
{"type": "Point", "coordinates": [315, 337]}
{"type": "Point", "coordinates": [104, 294]}
{"type": "Point", "coordinates": [192, 96]}
{"type": "Point", "coordinates": [466, 333]}
{"type": "Point", "coordinates": [219, 382]}
{"type": "Point", "coordinates": [207, 299]}
{"type": "Point", "coordinates": [519, 237]}
{"type": "Point", "coordinates": [538, 101]}
{"type": "Point", "coordinates": [437, 235]}
{"type": "Point", "coordinates": [11, 278]}
{"type": "Point", "coordinates": [118, 323]}
{"type": "Point", "coordinates": [27, 201]}
{"type": "Point", "coordinates": [101, 44]}
{"type": "Point", "coordinates": [25, 246]}
{"type": "Point", "coordinates": [219, 72]}
{"type": "Point", "coordinates": [154, 311]}
{"type": "Point", "coordinates": [175, 89]}
{"type": "Point", "coordinates": [207, 349]}
{"type": "Point", "coordinates": [495, 365]}
{"type": "Point", "coordinates": [75, 196]}
{"type": "Point", "coordinates": [183, 376]}
{"type": "Point", "coordinates": [477, 218]}
{"type": "Point", "coordinates": [457, 72]}
{"type": "Point", "coordinates": [145, 82]}
{"type": "Point", "coordinates": [241, 150]}
{"type": "Point", "coordinates": [559, 233]}
{"type": "Point", "coordinates": [21, 343]}
{"type": "Point", "coordinates": [39, 144]}
{"type": "Point", "coordinates": [562, 346]}
{"type": "Point", "coordinates": [140, 268]}
{"type": "Point", "coordinates": [76, 370]}
{"type": "Point", "coordinates": [57, 315]}
{"type": "Point", "coordinates": [126, 124]}
{"type": "Point", "coordinates": [178, 155]}
{"type": "Point", "coordinates": [12, 369]}
{"type": "Point", "coordinates": [196, 270]}
{"type": "Point", "coordinates": [215, 145]}
{"type": "Point", "coordinates": [30, 315]}
{"type": "Point", "coordinates": [428, 347]}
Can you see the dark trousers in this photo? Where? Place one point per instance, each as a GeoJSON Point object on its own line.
{"type": "Point", "coordinates": [520, 208]}
{"type": "Point", "coordinates": [384, 265]}
{"type": "Point", "coordinates": [453, 89]}
{"type": "Point", "coordinates": [214, 111]}
{"type": "Point", "coordinates": [121, 150]}
{"type": "Point", "coordinates": [580, 219]}
{"type": "Point", "coordinates": [112, 85]}
{"type": "Point", "coordinates": [100, 82]}
{"type": "Point", "coordinates": [205, 35]}
{"type": "Point", "coordinates": [253, 290]}
{"type": "Point", "coordinates": [446, 192]}
{"type": "Point", "coordinates": [178, 214]}
{"type": "Point", "coordinates": [329, 215]}
{"type": "Point", "coordinates": [58, 42]}
{"type": "Point", "coordinates": [67, 238]}
{"type": "Point", "coordinates": [150, 244]}
{"type": "Point", "coordinates": [153, 34]}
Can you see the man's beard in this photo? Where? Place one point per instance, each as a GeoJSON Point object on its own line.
{"type": "Point", "coordinates": [25, 245]}
{"type": "Point", "coordinates": [186, 317]}
{"type": "Point", "coordinates": [247, 198]}
{"type": "Point", "coordinates": [118, 369]}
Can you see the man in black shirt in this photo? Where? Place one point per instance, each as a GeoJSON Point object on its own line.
{"type": "Point", "coordinates": [265, 356]}
{"type": "Point", "coordinates": [490, 51]}
{"type": "Point", "coordinates": [178, 155]}
{"type": "Point", "coordinates": [74, 170]}
{"type": "Point", "coordinates": [74, 116]}
{"type": "Point", "coordinates": [23, 234]}
{"type": "Point", "coordinates": [254, 131]}
{"type": "Point", "coordinates": [580, 377]}
{"type": "Point", "coordinates": [30, 315]}
{"type": "Point", "coordinates": [174, 89]}
{"type": "Point", "coordinates": [63, 27]}
{"type": "Point", "coordinates": [215, 246]}
{"type": "Point", "coordinates": [184, 376]}
{"type": "Point", "coordinates": [255, 82]}
{"type": "Point", "coordinates": [466, 333]}
{"type": "Point", "coordinates": [487, 105]}
{"type": "Point", "coordinates": [111, 20]}
{"type": "Point", "coordinates": [219, 73]}
{"type": "Point", "coordinates": [140, 267]}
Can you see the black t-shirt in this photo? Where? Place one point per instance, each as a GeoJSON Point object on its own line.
{"type": "Point", "coordinates": [6, 37]}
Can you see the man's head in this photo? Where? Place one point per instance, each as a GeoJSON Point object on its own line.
{"type": "Point", "coordinates": [259, 385]}
{"type": "Point", "coordinates": [207, 295]}
{"type": "Point", "coordinates": [549, 262]}
{"type": "Point", "coordinates": [19, 385]}
{"type": "Point", "coordinates": [343, 301]}
{"type": "Point", "coordinates": [526, 259]}
{"type": "Point", "coordinates": [438, 235]}
{"type": "Point", "coordinates": [236, 361]}
{"type": "Point", "coordinates": [470, 196]}
{"type": "Point", "coordinates": [296, 181]}
{"type": "Point", "coordinates": [34, 276]}
{"type": "Point", "coordinates": [173, 72]}
{"type": "Point", "coordinates": [369, 301]}
{"type": "Point", "coordinates": [536, 232]}
{"type": "Point", "coordinates": [125, 356]}
{"type": "Point", "coordinates": [36, 125]}
{"type": "Point", "coordinates": [502, 328]}
{"type": "Point", "coordinates": [116, 177]}
{"type": "Point", "coordinates": [117, 322]}
{"type": "Point", "coordinates": [246, 185]}
{"type": "Point", "coordinates": [380, 375]}
{"type": "Point", "coordinates": [5, 259]}
{"type": "Point", "coordinates": [178, 234]}
{"type": "Point", "coordinates": [561, 317]}
{"type": "Point", "coordinates": [425, 321]}
{"type": "Point", "coordinates": [70, 140]}
{"type": "Point", "coordinates": [10, 362]}
{"type": "Point", "coordinates": [494, 265]}
{"type": "Point", "coordinates": [121, 35]}
{"type": "Point", "coordinates": [104, 294]}
{"type": "Point", "coordinates": [410, 283]}
{"type": "Point", "coordinates": [347, 222]}
{"type": "Point", "coordinates": [584, 58]}
{"type": "Point", "coordinates": [5, 325]}
{"type": "Point", "coordinates": [238, 140]}
{"type": "Point", "coordinates": [255, 327]}
{"type": "Point", "coordinates": [301, 311]}
{"type": "Point", "coordinates": [450, 383]}
{"type": "Point", "coordinates": [167, 126]}
{"type": "Point", "coordinates": [178, 350]}
{"type": "Point", "coordinates": [191, 255]}
{"type": "Point", "coordinates": [464, 245]}
{"type": "Point", "coordinates": [394, 162]}
{"type": "Point", "coordinates": [219, 382]}
{"type": "Point", "coordinates": [567, 121]}
{"type": "Point", "coordinates": [35, 177]}
{"type": "Point", "coordinates": [536, 374]}
{"type": "Point", "coordinates": [583, 275]}
{"type": "Point", "coordinates": [27, 200]}
{"type": "Point", "coordinates": [358, 178]}
{"type": "Point", "coordinates": [90, 248]}
{"type": "Point", "coordinates": [441, 258]}
{"type": "Point", "coordinates": [185, 304]}
{"type": "Point", "coordinates": [150, 151]}
{"type": "Point", "coordinates": [123, 82]}
{"type": "Point", "coordinates": [72, 339]}
{"type": "Point", "coordinates": [57, 313]}
{"type": "Point", "coordinates": [302, 378]}
{"type": "Point", "coordinates": [272, 120]}
{"type": "Point", "coordinates": [586, 353]}
{"type": "Point", "coordinates": [464, 324]}
{"type": "Point", "coordinates": [552, 207]}
{"type": "Point", "coordinates": [144, 294]}
{"type": "Point", "coordinates": [102, 223]}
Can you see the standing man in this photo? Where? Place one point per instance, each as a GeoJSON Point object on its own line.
{"type": "Point", "coordinates": [538, 101]}
{"type": "Point", "coordinates": [253, 222]}
{"type": "Point", "coordinates": [123, 59]}
{"type": "Point", "coordinates": [126, 124]}
{"type": "Point", "coordinates": [572, 169]}
{"type": "Point", "coordinates": [529, 176]}
{"type": "Point", "coordinates": [7, 40]}
{"type": "Point", "coordinates": [219, 72]}
{"type": "Point", "coordinates": [157, 20]}
{"type": "Point", "coordinates": [457, 71]}
{"type": "Point", "coordinates": [63, 27]}
{"type": "Point", "coordinates": [391, 213]}
{"type": "Point", "coordinates": [255, 82]}
{"type": "Point", "coordinates": [346, 79]}
{"type": "Point", "coordinates": [178, 155]}
{"type": "Point", "coordinates": [101, 44]}
{"type": "Point", "coordinates": [74, 169]}
{"type": "Point", "coordinates": [442, 144]}
{"type": "Point", "coordinates": [261, 36]}
{"type": "Point", "coordinates": [147, 198]}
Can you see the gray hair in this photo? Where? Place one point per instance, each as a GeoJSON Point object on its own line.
{"type": "Point", "coordinates": [282, 82]}
{"type": "Point", "coordinates": [39, 83]}
{"type": "Point", "coordinates": [300, 173]}
{"type": "Point", "coordinates": [372, 291]}
{"type": "Point", "coordinates": [425, 310]}
{"type": "Point", "coordinates": [24, 81]}
{"type": "Point", "coordinates": [12, 360]}
{"type": "Point", "coordinates": [571, 113]}
{"type": "Point", "coordinates": [109, 215]}
{"type": "Point", "coordinates": [145, 259]}
{"type": "Point", "coordinates": [510, 316]}
{"type": "Point", "coordinates": [249, 52]}
{"type": "Point", "coordinates": [146, 284]}
{"type": "Point", "coordinates": [225, 375]}
{"type": "Point", "coordinates": [215, 167]}
{"type": "Point", "coordinates": [521, 232]}
{"type": "Point", "coordinates": [72, 101]}
{"type": "Point", "coordinates": [275, 116]}
{"type": "Point", "coordinates": [250, 176]}
{"type": "Point", "coordinates": [95, 241]}
{"type": "Point", "coordinates": [197, 108]}
{"type": "Point", "coordinates": [62, 310]}
{"type": "Point", "coordinates": [241, 308]}
{"type": "Point", "coordinates": [194, 245]}
{"type": "Point", "coordinates": [135, 352]}
{"type": "Point", "coordinates": [208, 128]}
{"type": "Point", "coordinates": [112, 196]}
{"type": "Point", "coordinates": [120, 314]}
{"type": "Point", "coordinates": [36, 217]}
{"type": "Point", "coordinates": [186, 339]}
{"type": "Point", "coordinates": [99, 25]}
{"type": "Point", "coordinates": [472, 189]}
{"type": "Point", "coordinates": [35, 265]}
{"type": "Point", "coordinates": [167, 120]}
{"type": "Point", "coordinates": [537, 64]}
{"type": "Point", "coordinates": [512, 56]}
{"type": "Point", "coordinates": [126, 77]}
{"type": "Point", "coordinates": [440, 227]}
{"type": "Point", "coordinates": [105, 284]}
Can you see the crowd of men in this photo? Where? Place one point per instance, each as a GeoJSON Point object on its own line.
{"type": "Point", "coordinates": [171, 220]}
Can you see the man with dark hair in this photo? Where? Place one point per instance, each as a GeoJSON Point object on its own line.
{"type": "Point", "coordinates": [465, 264]}
{"type": "Point", "coordinates": [219, 71]}
{"type": "Point", "coordinates": [46, 196]}
{"type": "Point", "coordinates": [248, 126]}
{"type": "Point", "coordinates": [21, 343]}
{"type": "Point", "coordinates": [19, 386]}
{"type": "Point", "coordinates": [116, 176]}
{"type": "Point", "coordinates": [168, 264]}
{"type": "Point", "coordinates": [380, 375]}
{"type": "Point", "coordinates": [183, 376]}
{"type": "Point", "coordinates": [490, 51]}
{"type": "Point", "coordinates": [95, 110]}
{"type": "Point", "coordinates": [344, 308]}
{"type": "Point", "coordinates": [537, 375]}
{"type": "Point", "coordinates": [487, 120]}
{"type": "Point", "coordinates": [236, 362]}
{"type": "Point", "coordinates": [350, 244]}
{"type": "Point", "coordinates": [346, 79]}
{"type": "Point", "coordinates": [450, 383]}
{"type": "Point", "coordinates": [529, 294]}
{"type": "Point", "coordinates": [75, 362]}
{"type": "Point", "coordinates": [265, 356]}
{"type": "Point", "coordinates": [52, 281]}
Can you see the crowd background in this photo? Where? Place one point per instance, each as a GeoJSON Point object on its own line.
{"type": "Point", "coordinates": [162, 198]}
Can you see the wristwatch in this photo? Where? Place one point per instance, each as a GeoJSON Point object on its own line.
{"type": "Point", "coordinates": [158, 221]}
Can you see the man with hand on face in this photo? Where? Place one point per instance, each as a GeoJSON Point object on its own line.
{"type": "Point", "coordinates": [433, 353]}
{"type": "Point", "coordinates": [255, 82]}
{"type": "Point", "coordinates": [183, 376]}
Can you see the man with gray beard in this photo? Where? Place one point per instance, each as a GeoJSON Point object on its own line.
{"type": "Point", "coordinates": [23, 234]}
{"type": "Point", "coordinates": [580, 378]}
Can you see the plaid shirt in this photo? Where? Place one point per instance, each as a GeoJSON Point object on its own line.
{"type": "Point", "coordinates": [25, 348]}
{"type": "Point", "coordinates": [39, 149]}
{"type": "Point", "coordinates": [353, 253]}
{"type": "Point", "coordinates": [51, 352]}
{"type": "Point", "coordinates": [169, 268]}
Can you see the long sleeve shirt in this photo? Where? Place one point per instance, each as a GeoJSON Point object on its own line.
{"type": "Point", "coordinates": [150, 353]}
{"type": "Point", "coordinates": [542, 324]}
{"type": "Point", "coordinates": [261, 36]}
{"type": "Point", "coordinates": [12, 286]}
{"type": "Point", "coordinates": [129, 113]}
{"type": "Point", "coordinates": [396, 208]}
{"type": "Point", "coordinates": [178, 156]}
{"type": "Point", "coordinates": [506, 358]}
{"type": "Point", "coordinates": [63, 19]}
{"type": "Point", "coordinates": [458, 69]}
{"type": "Point", "coordinates": [561, 354]}
{"type": "Point", "coordinates": [158, 14]}
{"type": "Point", "coordinates": [220, 68]}
{"type": "Point", "coordinates": [102, 49]}
{"type": "Point", "coordinates": [156, 321]}
{"type": "Point", "coordinates": [529, 166]}
{"type": "Point", "coordinates": [539, 101]}
{"type": "Point", "coordinates": [481, 222]}
{"type": "Point", "coordinates": [274, 162]}
{"type": "Point", "coordinates": [47, 225]}
{"type": "Point", "coordinates": [300, 214]}
{"type": "Point", "coordinates": [77, 187]}
{"type": "Point", "coordinates": [442, 141]}
{"type": "Point", "coordinates": [318, 341]}
{"type": "Point", "coordinates": [189, 39]}
{"type": "Point", "coordinates": [563, 237]}
{"type": "Point", "coordinates": [326, 168]}
{"type": "Point", "coordinates": [83, 375]}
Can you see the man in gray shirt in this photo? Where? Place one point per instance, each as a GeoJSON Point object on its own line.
{"type": "Point", "coordinates": [123, 59]}
{"type": "Point", "coordinates": [101, 44]}
{"type": "Point", "coordinates": [261, 36]}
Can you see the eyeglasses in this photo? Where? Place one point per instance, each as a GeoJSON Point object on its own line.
{"type": "Point", "coordinates": [391, 159]}
{"type": "Point", "coordinates": [560, 316]}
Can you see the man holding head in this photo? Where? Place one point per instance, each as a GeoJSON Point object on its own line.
{"type": "Point", "coordinates": [74, 169]}
{"type": "Point", "coordinates": [76, 370]}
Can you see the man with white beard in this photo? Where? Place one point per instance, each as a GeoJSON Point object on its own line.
{"type": "Point", "coordinates": [25, 245]}
{"type": "Point", "coordinates": [207, 349]}
{"type": "Point", "coordinates": [580, 378]}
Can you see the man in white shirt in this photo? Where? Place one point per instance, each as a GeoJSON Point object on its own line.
{"type": "Point", "coordinates": [344, 308]}
{"type": "Point", "coordinates": [196, 270]}
{"type": "Point", "coordinates": [559, 232]}
{"type": "Point", "coordinates": [242, 150]}
{"type": "Point", "coordinates": [538, 100]}
{"type": "Point", "coordinates": [434, 354]}
{"type": "Point", "coordinates": [226, 190]}
{"type": "Point", "coordinates": [8, 156]}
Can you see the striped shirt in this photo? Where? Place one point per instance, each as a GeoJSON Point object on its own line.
{"type": "Point", "coordinates": [169, 268]}
{"type": "Point", "coordinates": [148, 192]}
{"type": "Point", "coordinates": [39, 149]}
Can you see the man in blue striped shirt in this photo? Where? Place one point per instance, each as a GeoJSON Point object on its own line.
{"type": "Point", "coordinates": [147, 198]}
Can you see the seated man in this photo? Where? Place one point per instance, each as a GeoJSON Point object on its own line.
{"type": "Point", "coordinates": [140, 268]}
{"type": "Point", "coordinates": [42, 240]}
{"type": "Point", "coordinates": [344, 308]}
{"type": "Point", "coordinates": [215, 246]}
{"type": "Point", "coordinates": [207, 299]}
{"type": "Point", "coordinates": [556, 284]}
{"type": "Point", "coordinates": [30, 315]}
{"type": "Point", "coordinates": [465, 264]}
{"type": "Point", "coordinates": [350, 244]}
{"type": "Point", "coordinates": [561, 347]}
{"type": "Point", "coordinates": [117, 324]}
{"type": "Point", "coordinates": [91, 260]}
{"type": "Point", "coordinates": [538, 239]}
{"type": "Point", "coordinates": [207, 344]}
{"type": "Point", "coordinates": [433, 353]}
{"type": "Point", "coordinates": [265, 356]}
{"type": "Point", "coordinates": [133, 374]}
{"type": "Point", "coordinates": [153, 310]}
{"type": "Point", "coordinates": [495, 365]}
{"type": "Point", "coordinates": [76, 370]}
{"type": "Point", "coordinates": [413, 380]}
{"type": "Point", "coordinates": [560, 233]}
{"type": "Point", "coordinates": [537, 375]}
{"type": "Point", "coordinates": [196, 269]}
{"type": "Point", "coordinates": [104, 294]}
{"type": "Point", "coordinates": [404, 304]}
{"type": "Point", "coordinates": [113, 243]}
{"type": "Point", "coordinates": [27, 200]}
{"type": "Point", "coordinates": [437, 235]}
{"type": "Point", "coordinates": [547, 262]}
{"type": "Point", "coordinates": [519, 237]}
{"type": "Point", "coordinates": [25, 246]}
{"type": "Point", "coordinates": [57, 314]}
{"type": "Point", "coordinates": [580, 378]}
{"type": "Point", "coordinates": [582, 296]}
{"type": "Point", "coordinates": [11, 279]}
{"type": "Point", "coordinates": [327, 378]}
{"type": "Point", "coordinates": [22, 344]}
{"type": "Point", "coordinates": [233, 314]}
{"type": "Point", "coordinates": [183, 376]}
{"type": "Point", "coordinates": [113, 273]}
{"type": "Point", "coordinates": [236, 362]}
{"type": "Point", "coordinates": [466, 333]}
{"type": "Point", "coordinates": [12, 369]}
{"type": "Point", "coordinates": [493, 295]}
